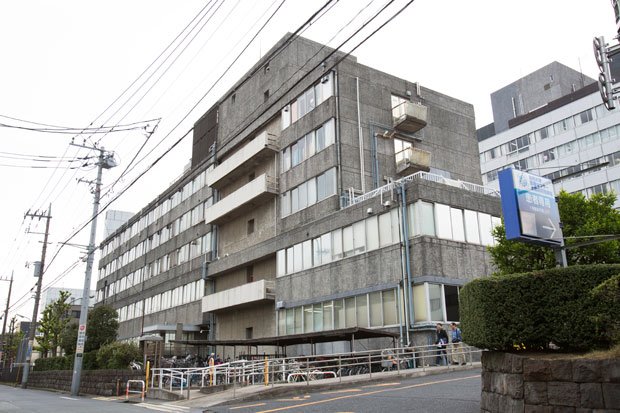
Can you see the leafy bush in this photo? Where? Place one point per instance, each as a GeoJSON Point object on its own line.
{"type": "Point", "coordinates": [53, 363]}
{"type": "Point", "coordinates": [607, 294]}
{"type": "Point", "coordinates": [117, 355]}
{"type": "Point", "coordinates": [529, 311]}
{"type": "Point", "coordinates": [65, 362]}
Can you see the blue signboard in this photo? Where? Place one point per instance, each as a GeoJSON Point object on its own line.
{"type": "Point", "coordinates": [530, 210]}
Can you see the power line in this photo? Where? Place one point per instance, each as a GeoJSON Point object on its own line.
{"type": "Point", "coordinates": [284, 45]}
{"type": "Point", "coordinates": [44, 159]}
{"type": "Point", "coordinates": [23, 155]}
{"type": "Point", "coordinates": [79, 131]}
{"type": "Point", "coordinates": [41, 167]}
{"type": "Point", "coordinates": [190, 130]}
{"type": "Point", "coordinates": [204, 95]}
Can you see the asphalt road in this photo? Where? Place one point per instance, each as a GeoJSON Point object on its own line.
{"type": "Point", "coordinates": [454, 392]}
{"type": "Point", "coordinates": [15, 399]}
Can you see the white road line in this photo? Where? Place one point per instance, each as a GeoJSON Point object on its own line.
{"type": "Point", "coordinates": [163, 407]}
{"type": "Point", "coordinates": [68, 398]}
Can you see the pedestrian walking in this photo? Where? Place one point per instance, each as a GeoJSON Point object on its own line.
{"type": "Point", "coordinates": [456, 347]}
{"type": "Point", "coordinates": [441, 343]}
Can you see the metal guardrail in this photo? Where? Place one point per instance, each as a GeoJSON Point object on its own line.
{"type": "Point", "coordinates": [312, 368]}
{"type": "Point", "coordinates": [427, 176]}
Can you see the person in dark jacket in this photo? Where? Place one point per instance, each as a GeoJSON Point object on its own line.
{"type": "Point", "coordinates": [441, 343]}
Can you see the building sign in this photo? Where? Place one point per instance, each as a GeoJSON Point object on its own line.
{"type": "Point", "coordinates": [81, 339]}
{"type": "Point", "coordinates": [530, 210]}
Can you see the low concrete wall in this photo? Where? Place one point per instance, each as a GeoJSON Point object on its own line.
{"type": "Point", "coordinates": [548, 383]}
{"type": "Point", "coordinates": [96, 382]}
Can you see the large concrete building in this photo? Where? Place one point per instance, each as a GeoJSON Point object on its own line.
{"type": "Point", "coordinates": [571, 139]}
{"type": "Point", "coordinates": [326, 201]}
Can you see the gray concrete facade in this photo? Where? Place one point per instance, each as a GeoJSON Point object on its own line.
{"type": "Point", "coordinates": [248, 238]}
{"type": "Point", "coordinates": [533, 91]}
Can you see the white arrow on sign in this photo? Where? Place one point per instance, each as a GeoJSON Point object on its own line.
{"type": "Point", "coordinates": [551, 228]}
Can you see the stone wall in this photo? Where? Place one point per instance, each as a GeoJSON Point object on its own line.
{"type": "Point", "coordinates": [96, 382]}
{"type": "Point", "coordinates": [548, 383]}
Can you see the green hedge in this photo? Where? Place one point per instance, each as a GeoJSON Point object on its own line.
{"type": "Point", "coordinates": [607, 320]}
{"type": "Point", "coordinates": [528, 311]}
{"type": "Point", "coordinates": [66, 362]}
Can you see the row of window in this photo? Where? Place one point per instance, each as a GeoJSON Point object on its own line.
{"type": "Point", "coordinates": [432, 303]}
{"type": "Point", "coordinates": [184, 222]}
{"type": "Point", "coordinates": [382, 230]}
{"type": "Point", "coordinates": [603, 188]}
{"type": "Point", "coordinates": [179, 256]}
{"type": "Point", "coordinates": [522, 143]}
{"type": "Point", "coordinates": [164, 207]}
{"type": "Point", "coordinates": [181, 295]}
{"type": "Point", "coordinates": [569, 148]}
{"type": "Point", "coordinates": [309, 193]}
{"type": "Point", "coordinates": [376, 309]}
{"type": "Point", "coordinates": [307, 146]}
{"type": "Point", "coordinates": [303, 149]}
{"type": "Point", "coordinates": [585, 168]}
{"type": "Point", "coordinates": [308, 100]}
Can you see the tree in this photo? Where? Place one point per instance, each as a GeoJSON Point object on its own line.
{"type": "Point", "coordinates": [101, 328]}
{"type": "Point", "coordinates": [68, 339]}
{"type": "Point", "coordinates": [55, 318]}
{"type": "Point", "coordinates": [581, 219]}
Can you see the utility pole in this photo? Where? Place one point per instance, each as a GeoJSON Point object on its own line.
{"type": "Point", "coordinates": [105, 160]}
{"type": "Point", "coordinates": [6, 315]}
{"type": "Point", "coordinates": [41, 270]}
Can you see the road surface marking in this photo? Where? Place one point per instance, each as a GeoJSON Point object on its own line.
{"type": "Point", "coordinates": [294, 399]}
{"type": "Point", "coordinates": [163, 407]}
{"type": "Point", "coordinates": [382, 385]}
{"type": "Point", "coordinates": [246, 406]}
{"type": "Point", "coordinates": [349, 396]}
{"type": "Point", "coordinates": [68, 398]}
{"type": "Point", "coordinates": [341, 391]}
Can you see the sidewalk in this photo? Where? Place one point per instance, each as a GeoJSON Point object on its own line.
{"type": "Point", "coordinates": [259, 392]}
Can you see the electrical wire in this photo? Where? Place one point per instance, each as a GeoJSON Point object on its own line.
{"type": "Point", "coordinates": [284, 44]}
{"type": "Point", "coordinates": [190, 130]}
{"type": "Point", "coordinates": [79, 131]}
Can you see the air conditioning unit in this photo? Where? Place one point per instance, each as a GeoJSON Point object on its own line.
{"type": "Point", "coordinates": [279, 305]}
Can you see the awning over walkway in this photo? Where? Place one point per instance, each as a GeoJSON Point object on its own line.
{"type": "Point", "coordinates": [345, 334]}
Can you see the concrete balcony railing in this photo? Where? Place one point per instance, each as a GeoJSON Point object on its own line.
{"type": "Point", "coordinates": [412, 160]}
{"type": "Point", "coordinates": [250, 293]}
{"type": "Point", "coordinates": [262, 147]}
{"type": "Point", "coordinates": [409, 117]}
{"type": "Point", "coordinates": [249, 196]}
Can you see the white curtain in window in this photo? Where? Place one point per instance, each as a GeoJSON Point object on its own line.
{"type": "Point", "coordinates": [372, 233]}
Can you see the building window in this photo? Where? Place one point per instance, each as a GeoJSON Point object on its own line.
{"type": "Point", "coordinates": [266, 95]}
{"type": "Point", "coordinates": [308, 145]}
{"type": "Point", "coordinates": [436, 303]}
{"type": "Point", "coordinates": [249, 332]}
{"type": "Point", "coordinates": [375, 309]}
{"type": "Point", "coordinates": [233, 98]}
{"type": "Point", "coordinates": [307, 101]}
{"type": "Point", "coordinates": [249, 273]}
{"type": "Point", "coordinates": [250, 226]}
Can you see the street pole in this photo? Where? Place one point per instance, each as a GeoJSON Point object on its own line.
{"type": "Point", "coordinates": [105, 161]}
{"type": "Point", "coordinates": [6, 315]}
{"type": "Point", "coordinates": [33, 320]}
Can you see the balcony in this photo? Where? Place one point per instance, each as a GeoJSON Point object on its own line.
{"type": "Point", "coordinates": [409, 117]}
{"type": "Point", "coordinates": [252, 293]}
{"type": "Point", "coordinates": [259, 149]}
{"type": "Point", "coordinates": [411, 160]}
{"type": "Point", "coordinates": [248, 197]}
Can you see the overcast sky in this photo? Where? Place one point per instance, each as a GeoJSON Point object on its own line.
{"type": "Point", "coordinates": [66, 62]}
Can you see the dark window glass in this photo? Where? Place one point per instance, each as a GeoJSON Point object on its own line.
{"type": "Point", "coordinates": [452, 302]}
